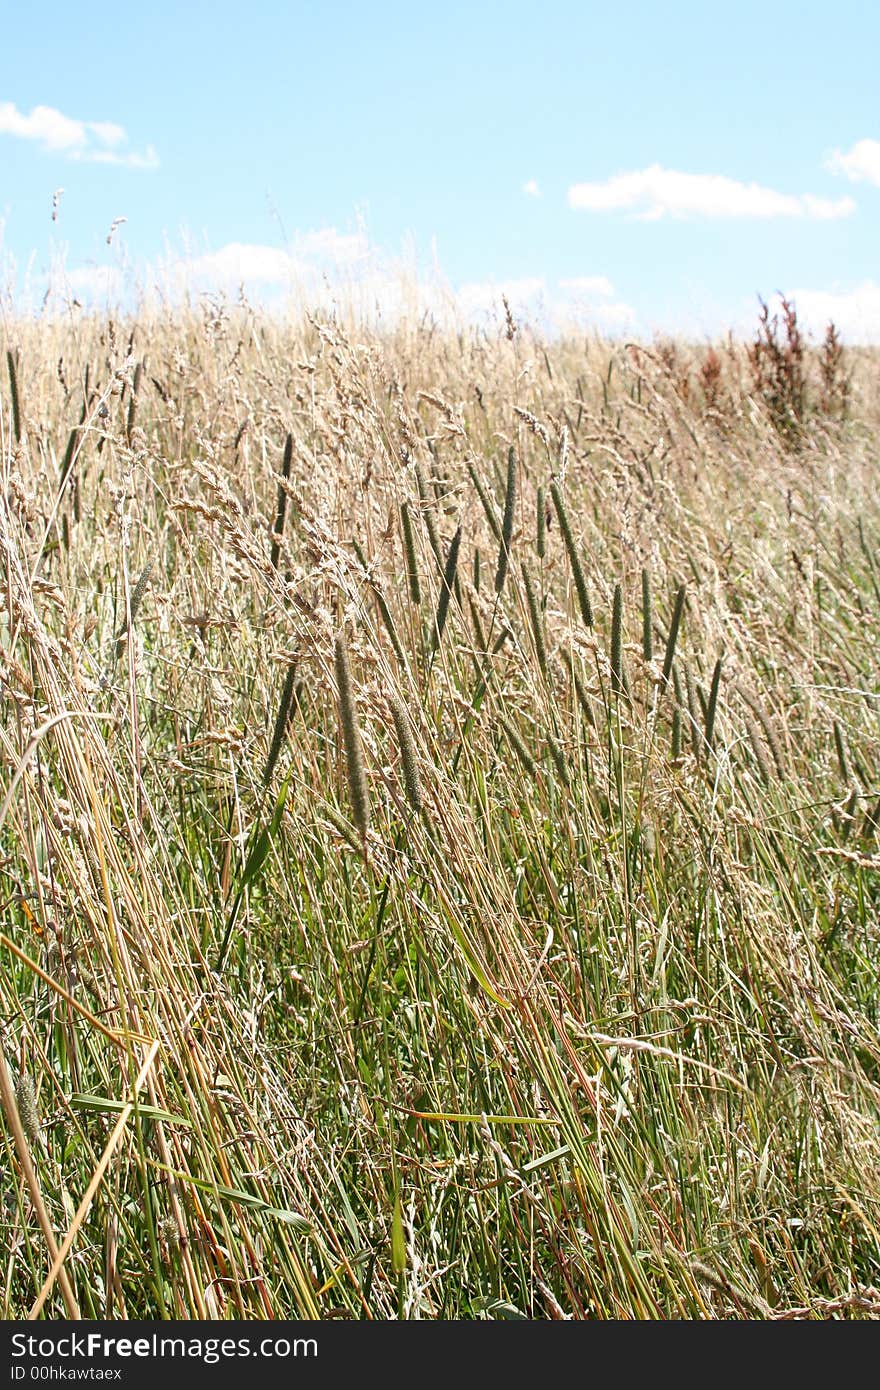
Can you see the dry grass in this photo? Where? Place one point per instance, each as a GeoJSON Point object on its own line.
{"type": "Point", "coordinates": [564, 949]}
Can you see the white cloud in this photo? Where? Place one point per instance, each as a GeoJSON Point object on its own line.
{"type": "Point", "coordinates": [108, 133]}
{"type": "Point", "coordinates": [589, 285]}
{"type": "Point", "coordinates": [132, 160]}
{"type": "Point", "coordinates": [480, 297]}
{"type": "Point", "coordinates": [329, 269]}
{"type": "Point", "coordinates": [855, 312]}
{"type": "Point", "coordinates": [238, 263]}
{"type": "Point", "coordinates": [609, 318]}
{"type": "Point", "coordinates": [329, 245]}
{"type": "Point", "coordinates": [588, 302]}
{"type": "Point", "coordinates": [98, 282]}
{"type": "Point", "coordinates": [861, 164]}
{"type": "Point", "coordinates": [89, 142]}
{"type": "Point", "coordinates": [654, 192]}
{"type": "Point", "coordinates": [48, 126]}
{"type": "Point", "coordinates": [585, 302]}
{"type": "Point", "coordinates": [532, 189]}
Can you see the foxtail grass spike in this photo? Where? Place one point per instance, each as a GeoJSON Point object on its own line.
{"type": "Point", "coordinates": [13, 392]}
{"type": "Point", "coordinates": [842, 759]}
{"type": "Point", "coordinates": [479, 631]}
{"type": "Point", "coordinates": [28, 1110]}
{"type": "Point", "coordinates": [507, 524]}
{"type": "Point", "coordinates": [617, 641]}
{"type": "Point", "coordinates": [754, 734]}
{"type": "Point", "coordinates": [677, 687]}
{"type": "Point", "coordinates": [133, 400]}
{"type": "Point", "coordinates": [536, 620]}
{"type": "Point", "coordinates": [768, 731]}
{"type": "Point", "coordinates": [137, 598]}
{"type": "Point", "coordinates": [574, 559]}
{"type": "Point", "coordinates": [428, 503]}
{"type": "Point", "coordinates": [712, 706]}
{"type": "Point", "coordinates": [583, 698]}
{"type": "Point", "coordinates": [514, 739]}
{"type": "Point", "coordinates": [390, 625]}
{"type": "Point", "coordinates": [408, 757]}
{"type": "Point", "coordinates": [343, 827]}
{"type": "Point", "coordinates": [673, 632]}
{"type": "Point", "coordinates": [559, 760]}
{"type": "Point", "coordinates": [446, 588]}
{"type": "Point", "coordinates": [647, 618]}
{"type": "Point", "coordinates": [541, 536]}
{"type": "Point", "coordinates": [282, 722]}
{"type": "Point", "coordinates": [485, 499]}
{"type": "Point", "coordinates": [676, 733]}
{"type": "Point", "coordinates": [140, 588]}
{"type": "Point", "coordinates": [67, 461]}
{"type": "Point", "coordinates": [409, 547]}
{"type": "Point", "coordinates": [351, 737]}
{"type": "Point", "coordinates": [693, 708]}
{"type": "Point", "coordinates": [703, 699]}
{"type": "Point", "coordinates": [281, 506]}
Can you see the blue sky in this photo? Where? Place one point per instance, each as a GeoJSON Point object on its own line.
{"type": "Point", "coordinates": [642, 167]}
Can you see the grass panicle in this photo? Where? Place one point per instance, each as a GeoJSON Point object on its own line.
{"type": "Point", "coordinates": [446, 588]}
{"type": "Point", "coordinates": [356, 774]}
{"type": "Point", "coordinates": [409, 760]}
{"type": "Point", "coordinates": [712, 705]}
{"type": "Point", "coordinates": [15, 400]}
{"type": "Point", "coordinates": [574, 559]}
{"type": "Point", "coordinates": [617, 684]}
{"type": "Point", "coordinates": [28, 1109]}
{"type": "Point", "coordinates": [647, 619]}
{"type": "Point", "coordinates": [409, 550]}
{"type": "Point", "coordinates": [541, 525]}
{"type": "Point", "coordinates": [136, 381]}
{"type": "Point", "coordinates": [286, 708]}
{"type": "Point", "coordinates": [536, 620]}
{"type": "Point", "coordinates": [507, 524]}
{"type": "Point", "coordinates": [672, 639]}
{"type": "Point", "coordinates": [518, 745]}
{"type": "Point", "coordinates": [486, 501]}
{"type": "Point", "coordinates": [281, 504]}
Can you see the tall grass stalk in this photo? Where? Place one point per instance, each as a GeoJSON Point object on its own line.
{"type": "Point", "coordinates": [514, 977]}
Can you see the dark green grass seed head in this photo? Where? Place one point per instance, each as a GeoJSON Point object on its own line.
{"type": "Point", "coordinates": [647, 618]}
{"type": "Point", "coordinates": [12, 368]}
{"type": "Point", "coordinates": [133, 400]}
{"type": "Point", "coordinates": [536, 620]}
{"type": "Point", "coordinates": [672, 639]}
{"type": "Point", "coordinates": [574, 559]}
{"type": "Point", "coordinates": [485, 500]}
{"type": "Point", "coordinates": [712, 704]}
{"type": "Point", "coordinates": [447, 587]}
{"type": "Point", "coordinates": [281, 505]}
{"type": "Point", "coordinates": [518, 745]}
{"type": "Point", "coordinates": [409, 760]}
{"type": "Point", "coordinates": [28, 1110]}
{"type": "Point", "coordinates": [507, 524]}
{"type": "Point", "coordinates": [409, 549]}
{"type": "Point", "coordinates": [676, 733]}
{"type": "Point", "coordinates": [282, 722]}
{"type": "Point", "coordinates": [351, 737]}
{"type": "Point", "coordinates": [541, 525]}
{"type": "Point", "coordinates": [617, 641]}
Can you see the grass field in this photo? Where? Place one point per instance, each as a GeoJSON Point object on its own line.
{"type": "Point", "coordinates": [440, 784]}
